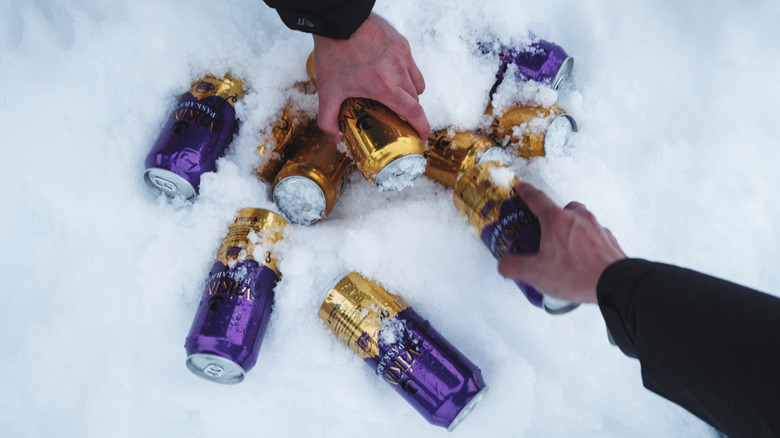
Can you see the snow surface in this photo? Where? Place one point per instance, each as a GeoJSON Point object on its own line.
{"type": "Point", "coordinates": [677, 154]}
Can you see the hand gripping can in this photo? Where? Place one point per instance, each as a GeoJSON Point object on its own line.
{"type": "Point", "coordinates": [307, 186]}
{"type": "Point", "coordinates": [226, 334]}
{"type": "Point", "coordinates": [449, 155]}
{"type": "Point", "coordinates": [412, 357]}
{"type": "Point", "coordinates": [540, 61]}
{"type": "Point", "coordinates": [197, 134]}
{"type": "Point", "coordinates": [386, 149]}
{"type": "Point", "coordinates": [535, 131]}
{"type": "Point", "coordinates": [485, 194]}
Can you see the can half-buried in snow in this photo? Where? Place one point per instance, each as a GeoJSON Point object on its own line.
{"type": "Point", "coordinates": [535, 131]}
{"type": "Point", "coordinates": [279, 139]}
{"type": "Point", "coordinates": [197, 133]}
{"type": "Point", "coordinates": [450, 154]}
{"type": "Point", "coordinates": [233, 314]}
{"type": "Point", "coordinates": [540, 61]}
{"type": "Point", "coordinates": [307, 186]}
{"type": "Point", "coordinates": [403, 348]}
{"type": "Point", "coordinates": [485, 194]}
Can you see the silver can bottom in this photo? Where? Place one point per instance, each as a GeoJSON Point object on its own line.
{"type": "Point", "coordinates": [558, 139]}
{"type": "Point", "coordinates": [563, 72]}
{"type": "Point", "coordinates": [400, 173]}
{"type": "Point", "coordinates": [215, 368]}
{"type": "Point", "coordinates": [555, 306]}
{"type": "Point", "coordinates": [467, 409]}
{"type": "Point", "coordinates": [163, 181]}
{"type": "Point", "coordinates": [300, 199]}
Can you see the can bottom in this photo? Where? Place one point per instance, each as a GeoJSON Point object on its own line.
{"type": "Point", "coordinates": [400, 173]}
{"type": "Point", "coordinates": [163, 181]}
{"type": "Point", "coordinates": [215, 368]}
{"type": "Point", "coordinates": [563, 72]}
{"type": "Point", "coordinates": [300, 200]}
{"type": "Point", "coordinates": [555, 306]}
{"type": "Point", "coordinates": [557, 140]}
{"type": "Point", "coordinates": [467, 409]}
{"type": "Point", "coordinates": [495, 153]}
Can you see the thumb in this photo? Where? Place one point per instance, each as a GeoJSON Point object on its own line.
{"type": "Point", "coordinates": [522, 267]}
{"type": "Point", "coordinates": [328, 115]}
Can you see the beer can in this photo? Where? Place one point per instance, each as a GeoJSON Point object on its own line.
{"type": "Point", "coordinates": [403, 348]}
{"type": "Point", "coordinates": [307, 186]}
{"type": "Point", "coordinates": [485, 194]}
{"type": "Point", "coordinates": [535, 131]}
{"type": "Point", "coordinates": [540, 61]}
{"type": "Point", "coordinates": [449, 155]}
{"type": "Point", "coordinates": [224, 341]}
{"type": "Point", "coordinates": [386, 149]}
{"type": "Point", "coordinates": [196, 134]}
{"type": "Point", "coordinates": [280, 143]}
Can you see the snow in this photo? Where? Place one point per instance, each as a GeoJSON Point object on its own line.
{"type": "Point", "coordinates": [676, 154]}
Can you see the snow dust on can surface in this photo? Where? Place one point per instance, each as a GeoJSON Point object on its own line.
{"type": "Point", "coordinates": [535, 131]}
{"type": "Point", "coordinates": [224, 341]}
{"type": "Point", "coordinates": [280, 142]}
{"type": "Point", "coordinates": [310, 182]}
{"type": "Point", "coordinates": [450, 154]}
{"type": "Point", "coordinates": [196, 134]}
{"type": "Point", "coordinates": [386, 149]}
{"type": "Point", "coordinates": [485, 194]}
{"type": "Point", "coordinates": [402, 348]}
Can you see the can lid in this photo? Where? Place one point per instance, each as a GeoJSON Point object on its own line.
{"type": "Point", "coordinates": [563, 72]}
{"type": "Point", "coordinates": [495, 153]}
{"type": "Point", "coordinates": [215, 368]}
{"type": "Point", "coordinates": [300, 199]}
{"type": "Point", "coordinates": [163, 181]}
{"type": "Point", "coordinates": [467, 409]}
{"type": "Point", "coordinates": [557, 140]}
{"type": "Point", "coordinates": [400, 173]}
{"type": "Point", "coordinates": [557, 306]}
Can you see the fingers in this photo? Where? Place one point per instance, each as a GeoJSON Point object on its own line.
{"type": "Point", "coordinates": [521, 267]}
{"type": "Point", "coordinates": [536, 200]}
{"type": "Point", "coordinates": [328, 113]}
{"type": "Point", "coordinates": [409, 109]}
{"type": "Point", "coordinates": [416, 76]}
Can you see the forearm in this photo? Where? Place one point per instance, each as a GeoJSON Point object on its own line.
{"type": "Point", "coordinates": [709, 345]}
{"type": "Point", "coordinates": [336, 19]}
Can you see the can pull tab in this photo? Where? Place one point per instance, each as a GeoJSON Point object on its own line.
{"type": "Point", "coordinates": [213, 370]}
{"type": "Point", "coordinates": [164, 184]}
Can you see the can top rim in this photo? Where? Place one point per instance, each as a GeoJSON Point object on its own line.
{"type": "Point", "coordinates": [172, 185]}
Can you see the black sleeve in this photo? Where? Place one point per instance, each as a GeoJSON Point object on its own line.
{"type": "Point", "coordinates": [709, 345]}
{"type": "Point", "coordinates": [336, 19]}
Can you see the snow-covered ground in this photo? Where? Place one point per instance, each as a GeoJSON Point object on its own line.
{"type": "Point", "coordinates": [677, 155]}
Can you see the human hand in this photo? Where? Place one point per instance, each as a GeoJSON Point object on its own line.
{"type": "Point", "coordinates": [573, 253]}
{"type": "Point", "coordinates": [375, 63]}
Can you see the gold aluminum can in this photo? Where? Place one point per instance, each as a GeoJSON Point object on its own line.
{"type": "Point", "coordinates": [229, 88]}
{"type": "Point", "coordinates": [386, 149]}
{"type": "Point", "coordinates": [310, 182]}
{"type": "Point", "coordinates": [252, 227]}
{"type": "Point", "coordinates": [535, 137]}
{"type": "Point", "coordinates": [355, 308]}
{"type": "Point", "coordinates": [448, 156]}
{"type": "Point", "coordinates": [310, 69]}
{"type": "Point", "coordinates": [280, 142]}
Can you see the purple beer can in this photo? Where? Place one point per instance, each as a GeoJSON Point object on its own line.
{"type": "Point", "coordinates": [197, 133]}
{"type": "Point", "coordinates": [485, 194]}
{"type": "Point", "coordinates": [540, 61]}
{"type": "Point", "coordinates": [403, 348]}
{"type": "Point", "coordinates": [226, 334]}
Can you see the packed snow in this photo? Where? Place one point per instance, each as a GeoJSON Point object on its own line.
{"type": "Point", "coordinates": [676, 153]}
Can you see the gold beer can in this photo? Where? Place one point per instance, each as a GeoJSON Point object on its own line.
{"type": "Point", "coordinates": [535, 131]}
{"type": "Point", "coordinates": [307, 186]}
{"type": "Point", "coordinates": [280, 138]}
{"type": "Point", "coordinates": [386, 149]}
{"type": "Point", "coordinates": [449, 155]}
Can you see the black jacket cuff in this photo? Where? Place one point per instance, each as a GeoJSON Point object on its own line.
{"type": "Point", "coordinates": [331, 19]}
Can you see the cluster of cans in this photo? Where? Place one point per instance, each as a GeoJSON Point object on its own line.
{"type": "Point", "coordinates": [307, 171]}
